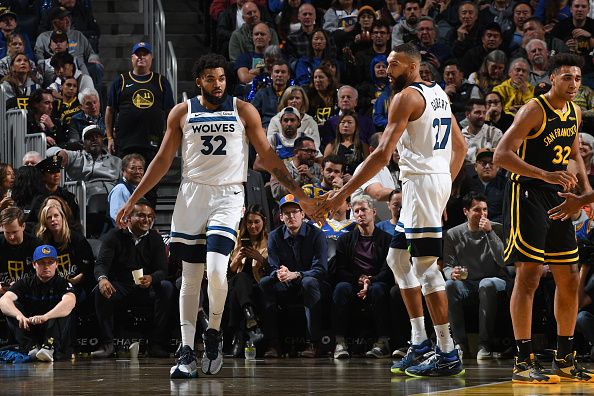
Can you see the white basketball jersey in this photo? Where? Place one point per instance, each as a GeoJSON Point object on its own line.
{"type": "Point", "coordinates": [214, 145]}
{"type": "Point", "coordinates": [425, 146]}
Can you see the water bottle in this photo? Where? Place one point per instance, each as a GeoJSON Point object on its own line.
{"type": "Point", "coordinates": [250, 350]}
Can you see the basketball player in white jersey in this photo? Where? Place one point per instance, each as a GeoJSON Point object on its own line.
{"type": "Point", "coordinates": [213, 130]}
{"type": "Point", "coordinates": [432, 150]}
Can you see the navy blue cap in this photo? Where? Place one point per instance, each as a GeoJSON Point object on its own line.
{"type": "Point", "coordinates": [140, 45]}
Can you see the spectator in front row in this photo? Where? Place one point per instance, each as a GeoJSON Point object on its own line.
{"type": "Point", "coordinates": [297, 255]}
{"type": "Point", "coordinates": [132, 171]}
{"type": "Point", "coordinates": [16, 248]}
{"type": "Point", "coordinates": [476, 246]}
{"type": "Point", "coordinates": [90, 114]}
{"type": "Point", "coordinates": [96, 167]}
{"type": "Point", "coordinates": [362, 272]}
{"type": "Point", "coordinates": [75, 256]}
{"type": "Point", "coordinates": [124, 250]}
{"type": "Point", "coordinates": [249, 263]}
{"type": "Point", "coordinates": [38, 309]}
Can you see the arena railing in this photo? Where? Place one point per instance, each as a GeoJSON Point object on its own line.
{"type": "Point", "coordinates": [165, 61]}
{"type": "Point", "coordinates": [79, 189]}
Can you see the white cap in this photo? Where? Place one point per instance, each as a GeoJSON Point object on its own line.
{"type": "Point", "coordinates": [290, 110]}
{"type": "Point", "coordinates": [91, 128]}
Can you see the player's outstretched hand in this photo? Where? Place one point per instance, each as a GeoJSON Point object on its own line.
{"type": "Point", "coordinates": [564, 178]}
{"type": "Point", "coordinates": [331, 203]}
{"type": "Point", "coordinates": [570, 206]}
{"type": "Point", "coordinates": [124, 214]}
{"type": "Point", "coordinates": [310, 207]}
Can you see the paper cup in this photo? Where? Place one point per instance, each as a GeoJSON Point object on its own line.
{"type": "Point", "coordinates": [137, 274]}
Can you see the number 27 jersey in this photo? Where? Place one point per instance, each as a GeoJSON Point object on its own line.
{"type": "Point", "coordinates": [214, 144]}
{"type": "Point", "coordinates": [425, 146]}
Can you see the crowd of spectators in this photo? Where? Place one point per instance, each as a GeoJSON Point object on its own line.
{"type": "Point", "coordinates": [316, 72]}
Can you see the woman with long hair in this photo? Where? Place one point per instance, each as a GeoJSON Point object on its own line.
{"type": "Point", "coordinates": [296, 97]}
{"type": "Point", "coordinates": [322, 94]}
{"type": "Point", "coordinates": [39, 118]}
{"type": "Point", "coordinates": [27, 186]}
{"type": "Point", "coordinates": [6, 184]}
{"type": "Point", "coordinates": [75, 256]}
{"type": "Point", "coordinates": [348, 144]}
{"type": "Point", "coordinates": [318, 49]}
{"type": "Point", "coordinates": [16, 45]}
{"type": "Point", "coordinates": [19, 82]}
{"type": "Point", "coordinates": [491, 72]}
{"type": "Point", "coordinates": [249, 262]}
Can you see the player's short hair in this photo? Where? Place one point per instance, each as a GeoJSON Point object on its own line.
{"type": "Point", "coordinates": [299, 142]}
{"type": "Point", "coordinates": [563, 59]}
{"type": "Point", "coordinates": [410, 50]}
{"type": "Point", "coordinates": [472, 196]}
{"type": "Point", "coordinates": [208, 61]}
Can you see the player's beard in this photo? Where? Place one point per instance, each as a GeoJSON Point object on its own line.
{"type": "Point", "coordinates": [214, 100]}
{"type": "Point", "coordinates": [399, 83]}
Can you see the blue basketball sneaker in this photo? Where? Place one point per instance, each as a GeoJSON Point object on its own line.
{"type": "Point", "coordinates": [439, 365]}
{"type": "Point", "coordinates": [415, 355]}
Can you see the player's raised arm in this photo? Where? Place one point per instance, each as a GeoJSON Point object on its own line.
{"type": "Point", "coordinates": [160, 164]}
{"type": "Point", "coordinates": [528, 118]}
{"type": "Point", "coordinates": [403, 105]}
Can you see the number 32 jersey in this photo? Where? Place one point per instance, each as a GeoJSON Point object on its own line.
{"type": "Point", "coordinates": [425, 146]}
{"type": "Point", "coordinates": [549, 147]}
{"type": "Point", "coordinates": [214, 144]}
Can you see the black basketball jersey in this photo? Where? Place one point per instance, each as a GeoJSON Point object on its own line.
{"type": "Point", "coordinates": [141, 117]}
{"type": "Point", "coordinates": [550, 146]}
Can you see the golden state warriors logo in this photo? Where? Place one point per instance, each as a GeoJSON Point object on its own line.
{"type": "Point", "coordinates": [143, 99]}
{"type": "Point", "coordinates": [45, 250]}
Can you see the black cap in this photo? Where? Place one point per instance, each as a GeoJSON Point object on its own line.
{"type": "Point", "coordinates": [59, 36]}
{"type": "Point", "coordinates": [58, 12]}
{"type": "Point", "coordinates": [485, 152]}
{"type": "Point", "coordinates": [51, 164]}
{"type": "Point", "coordinates": [7, 12]}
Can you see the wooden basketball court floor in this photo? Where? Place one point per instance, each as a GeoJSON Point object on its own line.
{"type": "Point", "coordinates": [270, 377]}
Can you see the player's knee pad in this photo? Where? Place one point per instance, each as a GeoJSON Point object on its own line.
{"type": "Point", "coordinates": [399, 262]}
{"type": "Point", "coordinates": [427, 271]}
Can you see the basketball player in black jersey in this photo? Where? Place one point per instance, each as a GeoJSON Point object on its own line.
{"type": "Point", "coordinates": [536, 150]}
